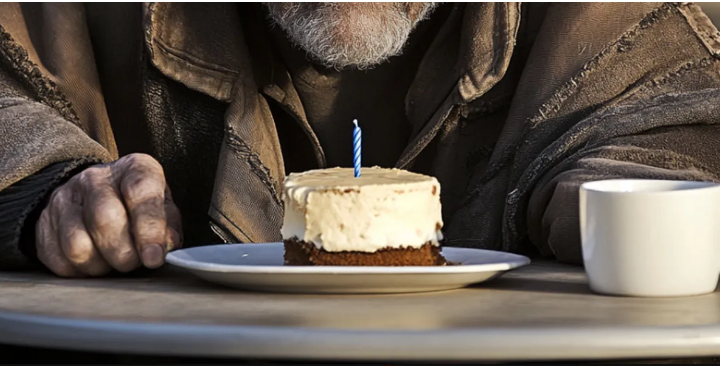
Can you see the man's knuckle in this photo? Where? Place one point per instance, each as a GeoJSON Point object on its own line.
{"type": "Point", "coordinates": [107, 213]}
{"type": "Point", "coordinates": [151, 226]}
{"type": "Point", "coordinates": [61, 195]}
{"type": "Point", "coordinates": [144, 188]}
{"type": "Point", "coordinates": [131, 160]}
{"type": "Point", "coordinates": [149, 231]}
{"type": "Point", "coordinates": [55, 193]}
{"type": "Point", "coordinates": [77, 251]}
{"type": "Point", "coordinates": [143, 182]}
{"type": "Point", "coordinates": [142, 161]}
{"type": "Point", "coordinates": [93, 172]}
{"type": "Point", "coordinates": [92, 177]}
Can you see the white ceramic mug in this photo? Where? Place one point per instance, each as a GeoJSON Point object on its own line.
{"type": "Point", "coordinates": [651, 238]}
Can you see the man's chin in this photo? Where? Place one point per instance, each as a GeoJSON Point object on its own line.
{"type": "Point", "coordinates": [344, 36]}
{"type": "Point", "coordinates": [340, 62]}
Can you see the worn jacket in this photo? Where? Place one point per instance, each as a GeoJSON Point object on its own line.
{"type": "Point", "coordinates": [512, 108]}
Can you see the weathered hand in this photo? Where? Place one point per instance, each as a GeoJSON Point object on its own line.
{"type": "Point", "coordinates": [111, 216]}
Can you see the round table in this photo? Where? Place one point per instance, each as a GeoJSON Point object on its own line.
{"type": "Point", "coordinates": [544, 311]}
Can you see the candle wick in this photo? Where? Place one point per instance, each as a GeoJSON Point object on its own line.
{"type": "Point", "coordinates": [355, 122]}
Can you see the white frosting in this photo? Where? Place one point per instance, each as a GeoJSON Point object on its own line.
{"type": "Point", "coordinates": [382, 208]}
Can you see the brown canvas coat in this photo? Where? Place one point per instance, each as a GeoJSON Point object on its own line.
{"type": "Point", "coordinates": [513, 106]}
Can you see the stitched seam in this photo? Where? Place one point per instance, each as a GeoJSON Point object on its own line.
{"type": "Point", "coordinates": [44, 89]}
{"type": "Point", "coordinates": [579, 132]}
{"type": "Point", "coordinates": [151, 41]}
{"type": "Point", "coordinates": [302, 122]}
{"type": "Point", "coordinates": [422, 142]}
{"type": "Point", "coordinates": [682, 161]}
{"type": "Point", "coordinates": [483, 107]}
{"type": "Point", "coordinates": [619, 112]}
{"type": "Point", "coordinates": [239, 146]}
{"type": "Point", "coordinates": [553, 105]}
{"type": "Point", "coordinates": [230, 221]}
{"type": "Point", "coordinates": [148, 25]}
{"type": "Point", "coordinates": [425, 139]}
{"type": "Point", "coordinates": [698, 19]}
{"type": "Point", "coordinates": [680, 71]}
{"type": "Point", "coordinates": [548, 109]}
{"type": "Point", "coordinates": [184, 56]}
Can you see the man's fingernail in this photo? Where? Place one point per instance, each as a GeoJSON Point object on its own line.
{"type": "Point", "coordinates": [153, 256]}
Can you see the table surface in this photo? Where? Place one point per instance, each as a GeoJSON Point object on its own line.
{"type": "Point", "coordinates": [544, 311]}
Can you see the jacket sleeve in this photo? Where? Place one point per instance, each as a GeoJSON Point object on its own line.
{"type": "Point", "coordinates": [39, 148]}
{"type": "Point", "coordinates": [647, 106]}
{"type": "Point", "coordinates": [642, 101]}
{"type": "Point", "coordinates": [684, 152]}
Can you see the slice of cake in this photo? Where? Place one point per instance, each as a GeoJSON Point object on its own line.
{"type": "Point", "coordinates": [385, 217]}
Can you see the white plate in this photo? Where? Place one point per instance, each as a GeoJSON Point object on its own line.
{"type": "Point", "coordinates": [259, 267]}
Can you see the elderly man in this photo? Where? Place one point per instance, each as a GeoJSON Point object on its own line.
{"type": "Point", "coordinates": [105, 109]}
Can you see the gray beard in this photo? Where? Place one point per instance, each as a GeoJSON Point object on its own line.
{"type": "Point", "coordinates": [359, 41]}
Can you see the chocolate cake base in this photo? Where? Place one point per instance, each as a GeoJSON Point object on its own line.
{"type": "Point", "coordinates": [299, 253]}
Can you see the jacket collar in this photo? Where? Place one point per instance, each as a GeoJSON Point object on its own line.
{"type": "Point", "coordinates": [199, 45]}
{"type": "Point", "coordinates": [469, 56]}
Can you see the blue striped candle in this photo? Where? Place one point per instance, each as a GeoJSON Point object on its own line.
{"type": "Point", "coordinates": [357, 145]}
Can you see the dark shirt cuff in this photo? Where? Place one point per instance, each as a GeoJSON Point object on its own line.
{"type": "Point", "coordinates": [20, 208]}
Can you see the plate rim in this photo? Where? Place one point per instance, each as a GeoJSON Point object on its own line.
{"type": "Point", "coordinates": [515, 261]}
